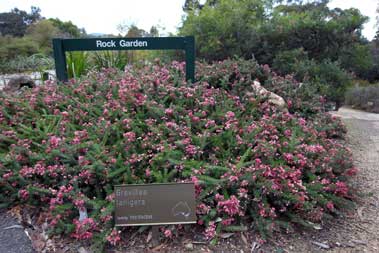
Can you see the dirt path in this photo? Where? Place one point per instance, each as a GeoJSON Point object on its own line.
{"type": "Point", "coordinates": [359, 230]}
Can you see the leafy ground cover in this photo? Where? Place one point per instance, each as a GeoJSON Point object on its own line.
{"type": "Point", "coordinates": [64, 147]}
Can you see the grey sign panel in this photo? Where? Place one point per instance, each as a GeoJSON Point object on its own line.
{"type": "Point", "coordinates": [155, 204]}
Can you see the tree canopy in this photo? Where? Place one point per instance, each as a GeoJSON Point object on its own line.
{"type": "Point", "coordinates": [227, 28]}
{"type": "Point", "coordinates": [15, 22]}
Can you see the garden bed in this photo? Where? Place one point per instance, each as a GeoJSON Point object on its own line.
{"type": "Point", "coordinates": [255, 167]}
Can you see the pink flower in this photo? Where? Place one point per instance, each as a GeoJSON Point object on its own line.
{"type": "Point", "coordinates": [191, 150]}
{"type": "Point", "coordinates": [258, 162]}
{"type": "Point", "coordinates": [84, 230]}
{"type": "Point", "coordinates": [227, 221]}
{"type": "Point", "coordinates": [352, 172]}
{"type": "Point", "coordinates": [169, 112]}
{"type": "Point", "coordinates": [65, 114]}
{"type": "Point", "coordinates": [288, 133]}
{"type": "Point", "coordinates": [110, 197]}
{"type": "Point", "coordinates": [230, 115]}
{"type": "Point", "coordinates": [330, 206]}
{"type": "Point", "coordinates": [130, 136]}
{"type": "Point", "coordinates": [147, 173]}
{"type": "Point", "coordinates": [341, 188]}
{"type": "Point", "coordinates": [54, 141]}
{"type": "Point", "coordinates": [24, 194]}
{"type": "Point", "coordinates": [168, 233]}
{"type": "Point", "coordinates": [288, 157]}
{"type": "Point", "coordinates": [230, 206]}
{"type": "Point", "coordinates": [302, 122]}
{"type": "Point", "coordinates": [79, 203]}
{"type": "Point", "coordinates": [210, 231]}
{"type": "Point", "coordinates": [7, 175]}
{"type": "Point", "coordinates": [140, 99]}
{"type": "Point", "coordinates": [210, 123]}
{"type": "Point", "coordinates": [114, 237]}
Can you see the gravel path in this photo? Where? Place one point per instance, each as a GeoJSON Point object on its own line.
{"type": "Point", "coordinates": [358, 231]}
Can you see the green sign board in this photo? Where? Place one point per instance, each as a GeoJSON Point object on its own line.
{"type": "Point", "coordinates": [155, 204]}
{"type": "Point", "coordinates": [61, 46]}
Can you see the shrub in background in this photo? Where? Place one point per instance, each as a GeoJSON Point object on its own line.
{"type": "Point", "coordinates": [63, 148]}
{"type": "Point", "coordinates": [364, 97]}
{"type": "Point", "coordinates": [11, 47]}
{"type": "Point", "coordinates": [36, 62]}
{"type": "Point", "coordinates": [326, 77]}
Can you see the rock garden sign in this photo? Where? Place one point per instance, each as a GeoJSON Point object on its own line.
{"type": "Point", "coordinates": [61, 46]}
{"type": "Point", "coordinates": [155, 204]}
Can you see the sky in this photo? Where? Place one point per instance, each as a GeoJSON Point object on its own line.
{"type": "Point", "coordinates": [100, 16]}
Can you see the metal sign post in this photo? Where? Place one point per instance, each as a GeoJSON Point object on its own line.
{"type": "Point", "coordinates": [61, 46]}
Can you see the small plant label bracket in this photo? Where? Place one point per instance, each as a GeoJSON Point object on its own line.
{"type": "Point", "coordinates": [61, 46]}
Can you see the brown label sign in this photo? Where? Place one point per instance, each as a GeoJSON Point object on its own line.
{"type": "Point", "coordinates": [155, 204]}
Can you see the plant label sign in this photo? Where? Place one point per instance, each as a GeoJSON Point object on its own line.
{"type": "Point", "coordinates": [61, 46]}
{"type": "Point", "coordinates": [155, 204]}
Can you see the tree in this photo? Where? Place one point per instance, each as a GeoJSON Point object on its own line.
{"type": "Point", "coordinates": [224, 28]}
{"type": "Point", "coordinates": [154, 32]}
{"type": "Point", "coordinates": [15, 22]}
{"type": "Point", "coordinates": [67, 28]}
{"type": "Point", "coordinates": [42, 33]}
{"type": "Point", "coordinates": [322, 32]}
{"type": "Point", "coordinates": [227, 28]}
{"type": "Point", "coordinates": [134, 31]}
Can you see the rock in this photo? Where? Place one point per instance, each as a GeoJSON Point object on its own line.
{"type": "Point", "coordinates": [272, 97]}
{"type": "Point", "coordinates": [321, 245]}
{"type": "Point", "coordinates": [370, 104]}
{"type": "Point", "coordinates": [19, 82]}
{"type": "Point", "coordinates": [188, 246]}
{"type": "Point", "coordinates": [83, 250]}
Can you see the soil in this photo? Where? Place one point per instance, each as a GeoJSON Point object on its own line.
{"type": "Point", "coordinates": [357, 230]}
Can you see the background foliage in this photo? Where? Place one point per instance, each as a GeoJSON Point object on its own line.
{"type": "Point", "coordinates": [304, 38]}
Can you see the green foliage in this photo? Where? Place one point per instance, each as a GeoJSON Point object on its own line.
{"type": "Point", "coordinates": [366, 97]}
{"type": "Point", "coordinates": [77, 63]}
{"type": "Point", "coordinates": [36, 62]}
{"type": "Point", "coordinates": [67, 29]}
{"type": "Point", "coordinates": [326, 78]}
{"type": "Point", "coordinates": [286, 62]}
{"type": "Point", "coordinates": [360, 60]}
{"type": "Point", "coordinates": [42, 33]}
{"type": "Point", "coordinates": [112, 59]}
{"type": "Point", "coordinates": [16, 22]}
{"type": "Point", "coordinates": [327, 73]}
{"type": "Point", "coordinates": [25, 34]}
{"type": "Point", "coordinates": [64, 147]}
{"type": "Point", "coordinates": [282, 34]}
{"type": "Point", "coordinates": [322, 32]}
{"type": "Point", "coordinates": [10, 47]}
{"type": "Point", "coordinates": [225, 29]}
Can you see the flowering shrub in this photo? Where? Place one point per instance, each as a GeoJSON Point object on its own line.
{"type": "Point", "coordinates": [64, 147]}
